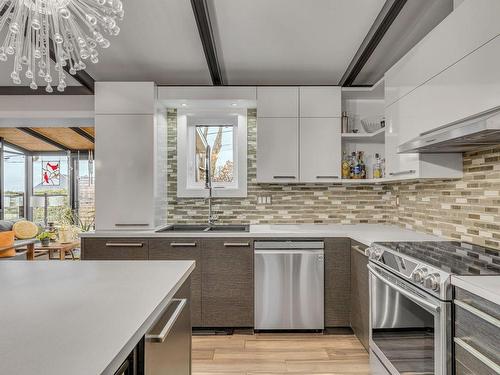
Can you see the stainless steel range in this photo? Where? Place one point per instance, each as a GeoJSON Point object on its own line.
{"type": "Point", "coordinates": [410, 301]}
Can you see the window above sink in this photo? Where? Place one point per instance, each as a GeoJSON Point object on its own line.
{"type": "Point", "coordinates": [225, 131]}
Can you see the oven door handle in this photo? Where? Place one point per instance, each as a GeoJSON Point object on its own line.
{"type": "Point", "coordinates": [404, 292]}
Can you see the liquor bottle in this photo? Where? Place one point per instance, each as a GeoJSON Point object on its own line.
{"type": "Point", "coordinates": [346, 166]}
{"type": "Point", "coordinates": [353, 164]}
{"type": "Point", "coordinates": [377, 167]}
{"type": "Point", "coordinates": [362, 166]}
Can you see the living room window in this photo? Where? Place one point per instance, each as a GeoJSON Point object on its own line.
{"type": "Point", "coordinates": [224, 135]}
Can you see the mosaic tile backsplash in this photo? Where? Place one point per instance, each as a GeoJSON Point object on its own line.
{"type": "Point", "coordinates": [291, 204]}
{"type": "Point", "coordinates": [466, 209]}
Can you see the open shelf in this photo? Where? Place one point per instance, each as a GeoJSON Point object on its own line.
{"type": "Point", "coordinates": [375, 137]}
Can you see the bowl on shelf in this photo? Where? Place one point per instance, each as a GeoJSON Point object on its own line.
{"type": "Point", "coordinates": [372, 124]}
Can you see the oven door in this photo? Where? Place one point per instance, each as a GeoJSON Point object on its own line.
{"type": "Point", "coordinates": [409, 329]}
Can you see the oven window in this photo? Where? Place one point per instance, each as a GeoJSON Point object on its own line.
{"type": "Point", "coordinates": [402, 330]}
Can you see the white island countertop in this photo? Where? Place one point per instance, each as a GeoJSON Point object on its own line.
{"type": "Point", "coordinates": [485, 286]}
{"type": "Point", "coordinates": [80, 318]}
{"type": "Point", "coordinates": [364, 233]}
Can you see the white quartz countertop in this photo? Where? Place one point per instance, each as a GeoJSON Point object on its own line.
{"type": "Point", "coordinates": [364, 233]}
{"type": "Point", "coordinates": [487, 287]}
{"type": "Point", "coordinates": [80, 318]}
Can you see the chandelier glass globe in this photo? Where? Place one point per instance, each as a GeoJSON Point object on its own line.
{"type": "Point", "coordinates": [44, 36]}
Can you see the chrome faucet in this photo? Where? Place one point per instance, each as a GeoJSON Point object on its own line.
{"type": "Point", "coordinates": [208, 184]}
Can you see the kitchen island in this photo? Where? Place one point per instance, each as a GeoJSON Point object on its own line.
{"type": "Point", "coordinates": [80, 318]}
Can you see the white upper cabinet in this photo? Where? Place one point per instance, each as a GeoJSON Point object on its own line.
{"type": "Point", "coordinates": [278, 102]}
{"type": "Point", "coordinates": [124, 172]}
{"type": "Point", "coordinates": [320, 150]}
{"type": "Point", "coordinates": [411, 166]}
{"type": "Point", "coordinates": [134, 98]}
{"type": "Point", "coordinates": [468, 27]}
{"type": "Point", "coordinates": [320, 101]}
{"type": "Point", "coordinates": [278, 150]}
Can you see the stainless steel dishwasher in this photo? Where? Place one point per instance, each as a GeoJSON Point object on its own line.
{"type": "Point", "coordinates": [289, 285]}
{"type": "Point", "coordinates": [168, 344]}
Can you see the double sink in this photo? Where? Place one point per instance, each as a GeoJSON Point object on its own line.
{"type": "Point", "coordinates": [204, 228]}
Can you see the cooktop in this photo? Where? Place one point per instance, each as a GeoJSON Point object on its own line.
{"type": "Point", "coordinates": [454, 257]}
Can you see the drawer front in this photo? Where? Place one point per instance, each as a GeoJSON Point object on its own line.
{"type": "Point", "coordinates": [114, 249]}
{"type": "Point", "coordinates": [478, 330]}
{"type": "Point", "coordinates": [479, 303]}
{"type": "Point", "coordinates": [469, 363]}
{"type": "Point", "coordinates": [182, 249]}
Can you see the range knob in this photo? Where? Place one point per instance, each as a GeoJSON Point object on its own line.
{"type": "Point", "coordinates": [432, 281]}
{"type": "Point", "coordinates": [419, 275]}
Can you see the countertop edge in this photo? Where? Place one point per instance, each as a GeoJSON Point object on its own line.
{"type": "Point", "coordinates": [464, 282]}
{"type": "Point", "coordinates": [141, 331]}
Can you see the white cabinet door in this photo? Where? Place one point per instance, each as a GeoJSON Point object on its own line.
{"type": "Point", "coordinates": [277, 102]}
{"type": "Point", "coordinates": [410, 166]}
{"type": "Point", "coordinates": [135, 98]}
{"type": "Point", "coordinates": [320, 101]}
{"type": "Point", "coordinates": [468, 27]}
{"type": "Point", "coordinates": [124, 163]}
{"type": "Point", "coordinates": [320, 149]}
{"type": "Point", "coordinates": [278, 150]}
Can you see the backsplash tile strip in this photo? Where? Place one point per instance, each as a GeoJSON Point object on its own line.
{"type": "Point", "coordinates": [465, 209]}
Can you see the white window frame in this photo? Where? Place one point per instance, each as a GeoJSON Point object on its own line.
{"type": "Point", "coordinates": [186, 128]}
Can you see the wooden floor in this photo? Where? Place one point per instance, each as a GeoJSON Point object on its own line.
{"type": "Point", "coordinates": [277, 354]}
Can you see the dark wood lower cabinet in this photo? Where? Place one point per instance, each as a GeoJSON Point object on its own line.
{"type": "Point", "coordinates": [183, 249]}
{"type": "Point", "coordinates": [227, 282]}
{"type": "Point", "coordinates": [360, 297]}
{"type": "Point", "coordinates": [337, 282]}
{"type": "Point", "coordinates": [114, 249]}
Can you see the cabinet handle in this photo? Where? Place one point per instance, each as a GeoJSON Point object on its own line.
{"type": "Point", "coordinates": [409, 171]}
{"type": "Point", "coordinates": [124, 244]}
{"type": "Point", "coordinates": [482, 315]}
{"type": "Point", "coordinates": [236, 244]}
{"type": "Point", "coordinates": [131, 225]}
{"type": "Point", "coordinates": [284, 177]}
{"type": "Point", "coordinates": [160, 337]}
{"type": "Point", "coordinates": [183, 244]}
{"type": "Point", "coordinates": [478, 355]}
{"type": "Point", "coordinates": [327, 177]}
{"type": "Point", "coordinates": [358, 249]}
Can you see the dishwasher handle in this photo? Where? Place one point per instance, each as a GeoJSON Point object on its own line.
{"type": "Point", "coordinates": [288, 252]}
{"type": "Point", "coordinates": [160, 337]}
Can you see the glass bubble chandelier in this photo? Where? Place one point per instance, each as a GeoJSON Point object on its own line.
{"type": "Point", "coordinates": [44, 36]}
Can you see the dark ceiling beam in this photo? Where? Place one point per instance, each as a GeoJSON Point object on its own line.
{"type": "Point", "coordinates": [25, 90]}
{"type": "Point", "coordinates": [383, 22]}
{"type": "Point", "coordinates": [202, 16]}
{"type": "Point", "coordinates": [44, 138]}
{"type": "Point", "coordinates": [84, 134]}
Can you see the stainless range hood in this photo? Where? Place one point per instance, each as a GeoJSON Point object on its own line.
{"type": "Point", "coordinates": [461, 136]}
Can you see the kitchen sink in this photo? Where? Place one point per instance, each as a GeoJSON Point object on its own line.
{"type": "Point", "coordinates": [204, 228]}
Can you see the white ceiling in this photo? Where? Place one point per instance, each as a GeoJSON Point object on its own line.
{"type": "Point", "coordinates": [159, 42]}
{"type": "Point", "coordinates": [289, 41]}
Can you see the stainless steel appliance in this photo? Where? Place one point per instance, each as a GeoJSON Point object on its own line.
{"type": "Point", "coordinates": [410, 301]}
{"type": "Point", "coordinates": [461, 136]}
{"type": "Point", "coordinates": [289, 285]}
{"type": "Point", "coordinates": [168, 344]}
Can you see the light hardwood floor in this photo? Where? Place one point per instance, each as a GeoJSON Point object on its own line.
{"type": "Point", "coordinates": [278, 354]}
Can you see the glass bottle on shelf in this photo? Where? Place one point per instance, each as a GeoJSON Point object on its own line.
{"type": "Point", "coordinates": [353, 164]}
{"type": "Point", "coordinates": [377, 167]}
{"type": "Point", "coordinates": [346, 166]}
{"type": "Point", "coordinates": [362, 166]}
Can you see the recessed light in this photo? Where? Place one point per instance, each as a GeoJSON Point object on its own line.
{"type": "Point", "coordinates": [234, 104]}
{"type": "Point", "coordinates": [184, 104]}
